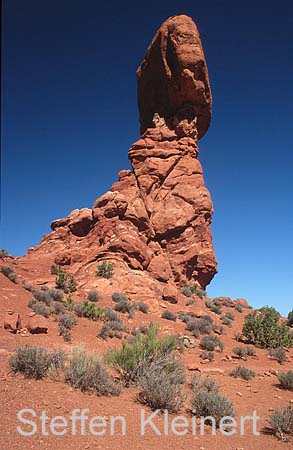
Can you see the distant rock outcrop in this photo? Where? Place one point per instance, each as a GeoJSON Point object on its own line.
{"type": "Point", "coordinates": [155, 220]}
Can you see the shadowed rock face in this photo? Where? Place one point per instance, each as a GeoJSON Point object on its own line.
{"type": "Point", "coordinates": [173, 79]}
{"type": "Point", "coordinates": [154, 223]}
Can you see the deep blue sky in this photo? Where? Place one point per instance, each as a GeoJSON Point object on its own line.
{"type": "Point", "coordinates": [69, 115]}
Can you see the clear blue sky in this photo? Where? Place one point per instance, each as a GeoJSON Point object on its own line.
{"type": "Point", "coordinates": [69, 115]}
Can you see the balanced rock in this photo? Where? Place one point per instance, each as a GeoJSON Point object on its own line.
{"type": "Point", "coordinates": [154, 222]}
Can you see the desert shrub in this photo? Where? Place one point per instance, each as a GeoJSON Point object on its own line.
{"type": "Point", "coordinates": [211, 404]}
{"type": "Point", "coordinates": [39, 295]}
{"type": "Point", "coordinates": [87, 373]}
{"type": "Point", "coordinates": [65, 333]}
{"type": "Point", "coordinates": [55, 294]}
{"type": "Point", "coordinates": [230, 315]}
{"type": "Point", "coordinates": [161, 382]}
{"type": "Point", "coordinates": [281, 421]}
{"type": "Point", "coordinates": [55, 269]}
{"type": "Point", "coordinates": [200, 326]}
{"type": "Point", "coordinates": [214, 305]}
{"type": "Point", "coordinates": [57, 359]}
{"type": "Point", "coordinates": [208, 303]}
{"type": "Point", "coordinates": [69, 303]}
{"type": "Point", "coordinates": [142, 329]}
{"type": "Point", "coordinates": [111, 329]}
{"type": "Point", "coordinates": [65, 281]}
{"type": "Point", "coordinates": [93, 296]}
{"type": "Point", "coordinates": [3, 253]}
{"type": "Point", "coordinates": [290, 318]}
{"type": "Point", "coordinates": [32, 362]}
{"type": "Point", "coordinates": [9, 273]}
{"type": "Point", "coordinates": [262, 328]}
{"type": "Point", "coordinates": [187, 291]}
{"type": "Point", "coordinates": [125, 307]}
{"type": "Point", "coordinates": [201, 293]}
{"type": "Point", "coordinates": [67, 320]}
{"type": "Point", "coordinates": [92, 311]}
{"type": "Point", "coordinates": [142, 307]}
{"type": "Point", "coordinates": [27, 286]}
{"type": "Point", "coordinates": [238, 337]}
{"type": "Point", "coordinates": [119, 297]}
{"type": "Point", "coordinates": [219, 329]}
{"type": "Point", "coordinates": [129, 359]}
{"type": "Point", "coordinates": [217, 309]}
{"type": "Point", "coordinates": [210, 343]}
{"type": "Point", "coordinates": [57, 308]}
{"type": "Point", "coordinates": [286, 380]}
{"type": "Point", "coordinates": [250, 351]}
{"type": "Point", "coordinates": [226, 321]}
{"type": "Point", "coordinates": [169, 315]}
{"type": "Point", "coordinates": [105, 269]}
{"type": "Point", "coordinates": [39, 308]}
{"type": "Point", "coordinates": [207, 356]}
{"type": "Point", "coordinates": [242, 372]}
{"type": "Point", "coordinates": [111, 315]}
{"type": "Point", "coordinates": [244, 352]}
{"type": "Point", "coordinates": [184, 317]}
{"type": "Point", "coordinates": [77, 308]}
{"type": "Point", "coordinates": [279, 354]}
{"type": "Point", "coordinates": [190, 301]}
{"type": "Point", "coordinates": [238, 308]}
{"type": "Point", "coordinates": [204, 383]}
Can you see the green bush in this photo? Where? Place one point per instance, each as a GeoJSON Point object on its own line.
{"type": "Point", "coordinates": [90, 311]}
{"type": "Point", "coordinates": [169, 315]}
{"type": "Point", "coordinates": [286, 380]}
{"type": "Point", "coordinates": [93, 296]}
{"type": "Point", "coordinates": [65, 281]}
{"type": "Point", "coordinates": [210, 343]}
{"type": "Point", "coordinates": [281, 421]}
{"type": "Point", "coordinates": [242, 372]}
{"type": "Point", "coordinates": [9, 273]}
{"type": "Point", "coordinates": [263, 329]}
{"type": "Point", "coordinates": [87, 373]}
{"type": "Point", "coordinates": [34, 362]}
{"type": "Point", "coordinates": [160, 382]}
{"type": "Point", "coordinates": [128, 360]}
{"type": "Point", "coordinates": [105, 269]}
{"type": "Point", "coordinates": [210, 404]}
{"type": "Point", "coordinates": [279, 354]}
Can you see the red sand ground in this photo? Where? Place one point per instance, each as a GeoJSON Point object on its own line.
{"type": "Point", "coordinates": [261, 393]}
